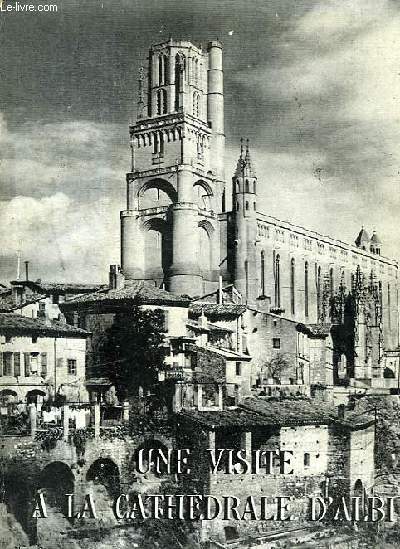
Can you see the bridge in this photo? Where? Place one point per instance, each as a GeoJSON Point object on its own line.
{"type": "Point", "coordinates": [61, 456]}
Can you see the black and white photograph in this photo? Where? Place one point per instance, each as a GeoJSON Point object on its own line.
{"type": "Point", "coordinates": [199, 277]}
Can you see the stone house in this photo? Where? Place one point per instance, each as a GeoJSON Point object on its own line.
{"type": "Point", "coordinates": [39, 360]}
{"type": "Point", "coordinates": [332, 454]}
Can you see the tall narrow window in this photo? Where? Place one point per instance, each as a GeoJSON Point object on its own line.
{"type": "Point", "coordinates": [7, 364]}
{"type": "Point", "coordinates": [306, 289]}
{"type": "Point", "coordinates": [162, 70]}
{"type": "Point", "coordinates": [196, 105]}
{"type": "Point", "coordinates": [159, 102]}
{"type": "Point", "coordinates": [318, 285]}
{"type": "Point", "coordinates": [247, 187]}
{"type": "Point", "coordinates": [292, 286]}
{"type": "Point", "coordinates": [277, 277]}
{"type": "Point", "coordinates": [331, 282]}
{"type": "Point", "coordinates": [179, 73]}
{"type": "Point", "coordinates": [262, 273]}
{"type": "Point", "coordinates": [246, 270]}
{"type": "Point", "coordinates": [162, 103]}
{"type": "Point", "coordinates": [156, 143]}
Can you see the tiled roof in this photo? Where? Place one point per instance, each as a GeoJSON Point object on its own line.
{"type": "Point", "coordinates": [228, 353]}
{"type": "Point", "coordinates": [301, 412]}
{"type": "Point", "coordinates": [217, 309]}
{"type": "Point", "coordinates": [209, 328]}
{"type": "Point", "coordinates": [315, 330]}
{"type": "Point", "coordinates": [7, 303]}
{"type": "Point", "coordinates": [11, 322]}
{"type": "Point", "coordinates": [290, 412]}
{"type": "Point", "coordinates": [224, 418]}
{"type": "Point", "coordinates": [134, 292]}
{"type": "Point", "coordinates": [61, 287]}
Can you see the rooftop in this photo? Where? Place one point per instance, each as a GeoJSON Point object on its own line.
{"type": "Point", "coordinates": [316, 331]}
{"type": "Point", "coordinates": [58, 287]}
{"type": "Point", "coordinates": [283, 412]}
{"type": "Point", "coordinates": [135, 292]}
{"type": "Point", "coordinates": [227, 310]}
{"type": "Point", "coordinates": [14, 323]}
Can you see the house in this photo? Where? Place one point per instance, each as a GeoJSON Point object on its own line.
{"type": "Point", "coordinates": [40, 360]}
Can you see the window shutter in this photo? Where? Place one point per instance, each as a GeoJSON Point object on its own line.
{"type": "Point", "coordinates": [17, 364]}
{"type": "Point", "coordinates": [27, 364]}
{"type": "Point", "coordinates": [165, 322]}
{"type": "Point", "coordinates": [43, 364]}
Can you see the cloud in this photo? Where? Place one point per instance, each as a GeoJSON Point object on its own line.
{"type": "Point", "coordinates": [62, 189]}
{"type": "Point", "coordinates": [62, 238]}
{"type": "Point", "coordinates": [331, 93]}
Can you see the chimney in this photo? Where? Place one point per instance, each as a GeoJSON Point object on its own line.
{"type": "Point", "coordinates": [26, 270]}
{"type": "Point", "coordinates": [116, 278]}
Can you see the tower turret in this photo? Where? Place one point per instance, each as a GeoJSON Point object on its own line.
{"type": "Point", "coordinates": [376, 244]}
{"type": "Point", "coordinates": [244, 205]}
{"type": "Point", "coordinates": [363, 240]}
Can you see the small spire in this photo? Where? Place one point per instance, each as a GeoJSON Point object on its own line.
{"type": "Point", "coordinates": [244, 167]}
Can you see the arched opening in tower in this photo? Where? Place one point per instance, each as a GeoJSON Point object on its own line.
{"type": "Point", "coordinates": [158, 246]}
{"type": "Point", "coordinates": [205, 250]}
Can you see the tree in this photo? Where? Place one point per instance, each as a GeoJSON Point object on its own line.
{"type": "Point", "coordinates": [131, 354]}
{"type": "Point", "coordinates": [276, 366]}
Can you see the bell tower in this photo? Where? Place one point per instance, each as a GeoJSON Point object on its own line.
{"type": "Point", "coordinates": [169, 230]}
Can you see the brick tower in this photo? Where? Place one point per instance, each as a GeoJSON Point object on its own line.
{"type": "Point", "coordinates": [175, 190]}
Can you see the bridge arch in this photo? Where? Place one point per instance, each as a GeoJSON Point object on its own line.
{"type": "Point", "coordinates": [106, 472]}
{"type": "Point", "coordinates": [57, 480]}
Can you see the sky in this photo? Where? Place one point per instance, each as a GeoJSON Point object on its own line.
{"type": "Point", "coordinates": [314, 85]}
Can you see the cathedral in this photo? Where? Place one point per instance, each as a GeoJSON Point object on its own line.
{"type": "Point", "coordinates": [177, 234]}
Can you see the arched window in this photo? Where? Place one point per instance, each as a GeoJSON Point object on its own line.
{"type": "Point", "coordinates": [292, 286]}
{"type": "Point", "coordinates": [247, 205]}
{"type": "Point", "coordinates": [237, 206]}
{"type": "Point", "coordinates": [196, 70]}
{"type": "Point", "coordinates": [247, 188]}
{"type": "Point", "coordinates": [254, 206]}
{"type": "Point", "coordinates": [255, 187]}
{"type": "Point", "coordinates": [306, 460]}
{"type": "Point", "coordinates": [237, 186]}
{"type": "Point", "coordinates": [277, 278]}
{"type": "Point", "coordinates": [306, 289]}
{"type": "Point", "coordinates": [262, 273]}
{"type": "Point", "coordinates": [331, 282]}
{"type": "Point", "coordinates": [223, 205]}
